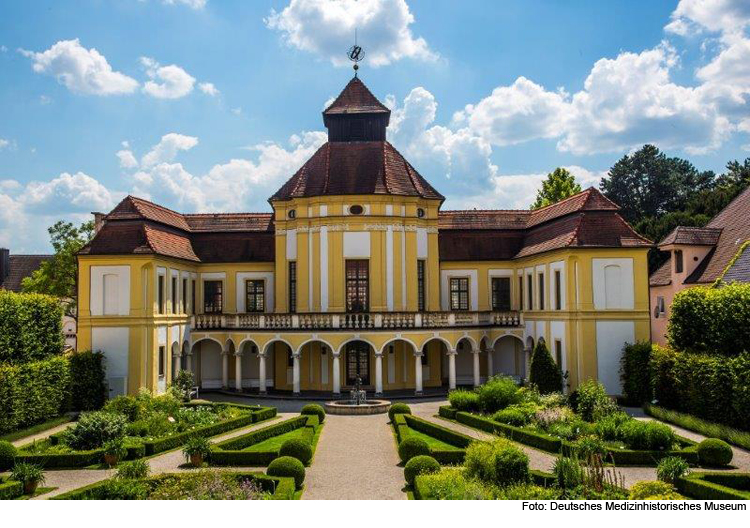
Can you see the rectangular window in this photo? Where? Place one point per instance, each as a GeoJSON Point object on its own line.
{"type": "Point", "coordinates": [160, 294]}
{"type": "Point", "coordinates": [212, 296]}
{"type": "Point", "coordinates": [192, 296]}
{"type": "Point", "coordinates": [162, 361]}
{"type": "Point", "coordinates": [184, 296]}
{"type": "Point", "coordinates": [255, 296]}
{"type": "Point", "coordinates": [558, 290]}
{"type": "Point", "coordinates": [459, 293]}
{"type": "Point", "coordinates": [357, 285]}
{"type": "Point", "coordinates": [520, 292]}
{"type": "Point", "coordinates": [501, 294]}
{"type": "Point", "coordinates": [530, 292]}
{"type": "Point", "coordinates": [541, 291]}
{"type": "Point", "coordinates": [420, 286]}
{"type": "Point", "coordinates": [558, 352]}
{"type": "Point", "coordinates": [292, 287]}
{"type": "Point", "coordinates": [174, 295]}
{"type": "Point", "coordinates": [660, 305]}
{"type": "Point", "coordinates": [678, 261]}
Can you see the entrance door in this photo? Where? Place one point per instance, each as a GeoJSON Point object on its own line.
{"type": "Point", "coordinates": [357, 363]}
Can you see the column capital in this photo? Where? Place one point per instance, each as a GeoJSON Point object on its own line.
{"type": "Point", "coordinates": [451, 352]}
{"type": "Point", "coordinates": [238, 353]}
{"type": "Point", "coordinates": [296, 353]}
{"type": "Point", "coordinates": [418, 353]}
{"type": "Point", "coordinates": [225, 352]}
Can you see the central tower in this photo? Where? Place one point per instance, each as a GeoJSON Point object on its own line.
{"type": "Point", "coordinates": [356, 115]}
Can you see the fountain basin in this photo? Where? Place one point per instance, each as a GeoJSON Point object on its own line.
{"type": "Point", "coordinates": [347, 407]}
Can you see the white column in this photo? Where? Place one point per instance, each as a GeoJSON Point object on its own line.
{"type": "Point", "coordinates": [225, 369]}
{"type": "Point", "coordinates": [238, 372]}
{"type": "Point", "coordinates": [336, 375]}
{"type": "Point", "coordinates": [262, 373]}
{"type": "Point", "coordinates": [176, 366]}
{"type": "Point", "coordinates": [189, 362]}
{"type": "Point", "coordinates": [476, 367]}
{"type": "Point", "coordinates": [452, 369]}
{"type": "Point", "coordinates": [490, 364]}
{"type": "Point", "coordinates": [295, 373]}
{"type": "Point", "coordinates": [379, 374]}
{"type": "Point", "coordinates": [418, 372]}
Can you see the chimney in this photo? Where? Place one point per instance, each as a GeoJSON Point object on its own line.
{"type": "Point", "coordinates": [98, 221]}
{"type": "Point", "coordinates": [4, 264]}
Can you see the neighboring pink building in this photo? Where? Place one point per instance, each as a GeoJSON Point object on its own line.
{"type": "Point", "coordinates": [698, 257]}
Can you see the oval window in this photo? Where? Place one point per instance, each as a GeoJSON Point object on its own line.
{"type": "Point", "coordinates": [420, 212]}
{"type": "Point", "coordinates": [356, 210]}
{"type": "Point", "coordinates": [292, 213]}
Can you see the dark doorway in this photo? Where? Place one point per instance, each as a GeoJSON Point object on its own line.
{"type": "Point", "coordinates": [357, 362]}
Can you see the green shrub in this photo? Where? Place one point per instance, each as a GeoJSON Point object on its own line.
{"type": "Point", "coordinates": [648, 435]}
{"type": "Point", "coordinates": [115, 447]}
{"type": "Point", "coordinates": [592, 402]}
{"type": "Point", "coordinates": [88, 386]}
{"type": "Point", "coordinates": [653, 490]}
{"type": "Point", "coordinates": [512, 416]}
{"type": "Point", "coordinates": [635, 372]}
{"type": "Point", "coordinates": [589, 447]}
{"type": "Point", "coordinates": [94, 429]}
{"type": "Point", "coordinates": [30, 327]}
{"type": "Point", "coordinates": [544, 373]}
{"type": "Point", "coordinates": [670, 469]}
{"type": "Point", "coordinates": [135, 469]}
{"type": "Point", "coordinates": [184, 383]}
{"type": "Point", "coordinates": [706, 428]}
{"type": "Point", "coordinates": [412, 446]}
{"type": "Point", "coordinates": [451, 484]}
{"type": "Point", "coordinates": [420, 465]}
{"type": "Point", "coordinates": [298, 449]}
{"type": "Point", "coordinates": [568, 472]}
{"type": "Point", "coordinates": [287, 467]}
{"type": "Point", "coordinates": [498, 462]}
{"type": "Point", "coordinates": [31, 393]}
{"type": "Point", "coordinates": [608, 427]}
{"type": "Point", "coordinates": [315, 410]}
{"type": "Point", "coordinates": [497, 393]}
{"type": "Point", "coordinates": [528, 492]}
{"type": "Point", "coordinates": [714, 452]}
{"type": "Point", "coordinates": [125, 405]}
{"type": "Point", "coordinates": [398, 408]}
{"type": "Point", "coordinates": [24, 472]}
{"type": "Point", "coordinates": [463, 400]}
{"type": "Point", "coordinates": [196, 445]}
{"type": "Point", "coordinates": [7, 455]}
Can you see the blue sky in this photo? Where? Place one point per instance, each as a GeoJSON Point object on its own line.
{"type": "Point", "coordinates": [207, 105]}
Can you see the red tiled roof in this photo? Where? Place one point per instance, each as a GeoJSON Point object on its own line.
{"type": "Point", "coordinates": [366, 167]}
{"type": "Point", "coordinates": [132, 207]}
{"type": "Point", "coordinates": [21, 266]}
{"type": "Point", "coordinates": [692, 236]}
{"type": "Point", "coordinates": [230, 222]}
{"type": "Point", "coordinates": [356, 98]}
{"type": "Point", "coordinates": [170, 244]}
{"type": "Point", "coordinates": [589, 200]}
{"type": "Point", "coordinates": [483, 219]}
{"type": "Point", "coordinates": [663, 275]}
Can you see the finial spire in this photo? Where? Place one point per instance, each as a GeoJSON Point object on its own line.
{"type": "Point", "coordinates": [356, 53]}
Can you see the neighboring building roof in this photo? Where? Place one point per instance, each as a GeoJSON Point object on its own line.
{"type": "Point", "coordinates": [363, 167]}
{"type": "Point", "coordinates": [692, 236]}
{"type": "Point", "coordinates": [21, 266]}
{"type": "Point", "coordinates": [663, 275]}
{"type": "Point", "coordinates": [739, 269]}
{"type": "Point", "coordinates": [356, 98]}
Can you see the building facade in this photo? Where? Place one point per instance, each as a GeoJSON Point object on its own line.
{"type": "Point", "coordinates": [358, 273]}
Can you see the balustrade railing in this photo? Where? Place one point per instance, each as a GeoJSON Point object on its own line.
{"type": "Point", "coordinates": [355, 321]}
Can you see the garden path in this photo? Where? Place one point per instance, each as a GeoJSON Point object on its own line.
{"type": "Point", "coordinates": [41, 436]}
{"type": "Point", "coordinates": [356, 459]}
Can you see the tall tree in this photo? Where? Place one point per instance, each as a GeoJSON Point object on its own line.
{"type": "Point", "coordinates": [559, 184]}
{"type": "Point", "coordinates": [57, 276]}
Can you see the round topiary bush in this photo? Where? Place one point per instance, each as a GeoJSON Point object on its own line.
{"type": "Point", "coordinates": [411, 447]}
{"type": "Point", "coordinates": [287, 466]}
{"type": "Point", "coordinates": [298, 449]}
{"type": "Point", "coordinates": [7, 455]}
{"type": "Point", "coordinates": [714, 452]}
{"type": "Point", "coordinates": [511, 465]}
{"type": "Point", "coordinates": [313, 409]}
{"type": "Point", "coordinates": [398, 408]}
{"type": "Point", "coordinates": [497, 393]}
{"type": "Point", "coordinates": [420, 465]}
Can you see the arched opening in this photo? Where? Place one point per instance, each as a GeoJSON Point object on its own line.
{"type": "Point", "coordinates": [316, 366]}
{"type": "Point", "coordinates": [207, 363]}
{"type": "Point", "coordinates": [399, 365]}
{"type": "Point", "coordinates": [279, 365]}
{"type": "Point", "coordinates": [465, 363]}
{"type": "Point", "coordinates": [250, 366]}
{"type": "Point", "coordinates": [185, 362]}
{"type": "Point", "coordinates": [508, 357]}
{"type": "Point", "coordinates": [176, 358]}
{"type": "Point", "coordinates": [358, 363]}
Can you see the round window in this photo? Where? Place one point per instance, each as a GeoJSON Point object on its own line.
{"type": "Point", "coordinates": [420, 212]}
{"type": "Point", "coordinates": [356, 210]}
{"type": "Point", "coordinates": [292, 213]}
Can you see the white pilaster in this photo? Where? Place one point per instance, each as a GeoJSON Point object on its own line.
{"type": "Point", "coordinates": [175, 366]}
{"type": "Point", "coordinates": [262, 373]}
{"type": "Point", "coordinates": [476, 367]}
{"type": "Point", "coordinates": [336, 375]}
{"type": "Point", "coordinates": [379, 374]}
{"type": "Point", "coordinates": [238, 372]}
{"type": "Point", "coordinates": [295, 373]}
{"type": "Point", "coordinates": [189, 362]}
{"type": "Point", "coordinates": [225, 369]}
{"type": "Point", "coordinates": [418, 373]}
{"type": "Point", "coordinates": [452, 369]}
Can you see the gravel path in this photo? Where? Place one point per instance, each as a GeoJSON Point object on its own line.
{"type": "Point", "coordinates": [41, 436]}
{"type": "Point", "coordinates": [356, 459]}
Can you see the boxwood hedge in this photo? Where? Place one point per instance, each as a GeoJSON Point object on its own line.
{"type": "Point", "coordinates": [715, 486]}
{"type": "Point", "coordinates": [30, 327]}
{"type": "Point", "coordinates": [10, 489]}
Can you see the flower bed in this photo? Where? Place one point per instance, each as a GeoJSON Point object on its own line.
{"type": "Point", "coordinates": [715, 486]}
{"type": "Point", "coordinates": [259, 448]}
{"type": "Point", "coordinates": [201, 485]}
{"type": "Point", "coordinates": [446, 446]}
{"type": "Point", "coordinates": [143, 425]}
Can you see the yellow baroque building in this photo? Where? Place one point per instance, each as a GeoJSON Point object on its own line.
{"type": "Point", "coordinates": [359, 274]}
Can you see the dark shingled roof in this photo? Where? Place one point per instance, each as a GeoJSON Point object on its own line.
{"type": "Point", "coordinates": [356, 98]}
{"type": "Point", "coordinates": [663, 275]}
{"type": "Point", "coordinates": [363, 167]}
{"type": "Point", "coordinates": [692, 236]}
{"type": "Point", "coordinates": [21, 266]}
{"type": "Point", "coordinates": [739, 270]}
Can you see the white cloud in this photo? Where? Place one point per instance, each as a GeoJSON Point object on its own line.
{"type": "Point", "coordinates": [726, 16]}
{"type": "Point", "coordinates": [167, 82]}
{"type": "Point", "coordinates": [166, 150]}
{"type": "Point", "coordinates": [68, 193]}
{"type": "Point", "coordinates": [208, 89]}
{"type": "Point", "coordinates": [326, 28]}
{"type": "Point", "coordinates": [4, 143]}
{"type": "Point", "coordinates": [193, 4]}
{"type": "Point", "coordinates": [81, 70]}
{"type": "Point", "coordinates": [127, 159]}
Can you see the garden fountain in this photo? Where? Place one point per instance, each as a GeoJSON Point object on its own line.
{"type": "Point", "coordinates": [357, 403]}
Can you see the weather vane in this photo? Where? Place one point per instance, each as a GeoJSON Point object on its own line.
{"type": "Point", "coordinates": [356, 53]}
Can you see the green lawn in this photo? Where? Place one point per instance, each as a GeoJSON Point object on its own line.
{"type": "Point", "coordinates": [274, 443]}
{"type": "Point", "coordinates": [434, 443]}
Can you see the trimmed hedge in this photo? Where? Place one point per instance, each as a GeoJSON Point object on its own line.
{"type": "Point", "coordinates": [715, 486]}
{"type": "Point", "coordinates": [714, 452]}
{"type": "Point", "coordinates": [287, 466]}
{"type": "Point", "coordinates": [32, 392]}
{"type": "Point", "coordinates": [10, 489]}
{"type": "Point", "coordinates": [30, 327]}
{"type": "Point", "coordinates": [635, 373]}
{"type": "Point", "coordinates": [436, 431]}
{"type": "Point", "coordinates": [446, 411]}
{"type": "Point", "coordinates": [88, 388]}
{"type": "Point", "coordinates": [314, 409]}
{"type": "Point", "coordinates": [398, 408]}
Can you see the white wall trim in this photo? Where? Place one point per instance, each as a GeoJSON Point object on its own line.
{"type": "Point", "coordinates": [623, 295]}
{"type": "Point", "coordinates": [323, 267]}
{"type": "Point", "coordinates": [446, 275]}
{"type": "Point", "coordinates": [291, 244]}
{"type": "Point", "coordinates": [243, 276]}
{"type": "Point", "coordinates": [388, 268]}
{"type": "Point", "coordinates": [119, 299]}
